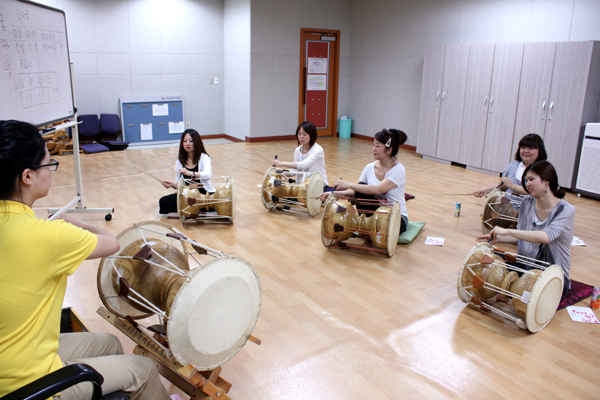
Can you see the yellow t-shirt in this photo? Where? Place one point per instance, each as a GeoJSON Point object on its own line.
{"type": "Point", "coordinates": [35, 258]}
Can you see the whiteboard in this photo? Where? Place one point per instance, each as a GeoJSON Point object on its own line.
{"type": "Point", "coordinates": [35, 79]}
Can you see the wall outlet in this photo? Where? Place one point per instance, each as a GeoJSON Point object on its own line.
{"type": "Point", "coordinates": [187, 125]}
{"type": "Point", "coordinates": [216, 80]}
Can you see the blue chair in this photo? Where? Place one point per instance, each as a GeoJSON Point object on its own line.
{"type": "Point", "coordinates": [89, 133]}
{"type": "Point", "coordinates": [110, 127]}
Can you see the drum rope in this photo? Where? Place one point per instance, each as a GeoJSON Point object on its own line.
{"type": "Point", "coordinates": [178, 272]}
{"type": "Point", "coordinates": [215, 253]}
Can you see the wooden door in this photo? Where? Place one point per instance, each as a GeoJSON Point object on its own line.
{"type": "Point", "coordinates": [431, 92]}
{"type": "Point", "coordinates": [534, 93]}
{"type": "Point", "coordinates": [566, 109]}
{"type": "Point", "coordinates": [475, 113]}
{"type": "Point", "coordinates": [319, 75]}
{"type": "Point", "coordinates": [452, 101]}
{"type": "Point", "coordinates": [504, 94]}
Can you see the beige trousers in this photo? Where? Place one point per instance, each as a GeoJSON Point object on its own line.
{"type": "Point", "coordinates": [102, 351]}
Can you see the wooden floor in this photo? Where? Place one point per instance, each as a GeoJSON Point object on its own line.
{"type": "Point", "coordinates": [339, 324]}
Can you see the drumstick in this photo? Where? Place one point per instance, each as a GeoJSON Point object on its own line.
{"type": "Point", "coordinates": [457, 194]}
{"type": "Point", "coordinates": [160, 180]}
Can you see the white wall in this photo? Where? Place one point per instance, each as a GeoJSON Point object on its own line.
{"type": "Point", "coordinates": [147, 47]}
{"type": "Point", "coordinates": [237, 68]}
{"type": "Point", "coordinates": [275, 58]}
{"type": "Point", "coordinates": [389, 39]}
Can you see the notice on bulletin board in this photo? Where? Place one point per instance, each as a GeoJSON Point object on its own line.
{"type": "Point", "coordinates": [159, 110]}
{"type": "Point", "coordinates": [316, 82]}
{"type": "Point", "coordinates": [317, 65]}
{"type": "Point", "coordinates": [146, 131]}
{"type": "Point", "coordinates": [176, 127]}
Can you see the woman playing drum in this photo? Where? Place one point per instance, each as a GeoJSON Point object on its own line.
{"type": "Point", "coordinates": [383, 179]}
{"type": "Point", "coordinates": [545, 228]}
{"type": "Point", "coordinates": [193, 162]}
{"type": "Point", "coordinates": [531, 149]}
{"type": "Point", "coordinates": [37, 256]}
{"type": "Point", "coordinates": [308, 156]}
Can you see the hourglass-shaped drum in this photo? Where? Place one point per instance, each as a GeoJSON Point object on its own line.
{"type": "Point", "coordinates": [292, 191]}
{"type": "Point", "coordinates": [342, 220]}
{"type": "Point", "coordinates": [500, 209]}
{"type": "Point", "coordinates": [534, 295]}
{"type": "Point", "coordinates": [195, 206]}
{"type": "Point", "coordinates": [208, 312]}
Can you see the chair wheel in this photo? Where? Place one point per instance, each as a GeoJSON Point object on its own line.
{"type": "Point", "coordinates": [108, 217]}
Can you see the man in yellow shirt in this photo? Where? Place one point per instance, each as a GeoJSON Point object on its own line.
{"type": "Point", "coordinates": [36, 256]}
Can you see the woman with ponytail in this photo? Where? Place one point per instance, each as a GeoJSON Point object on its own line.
{"type": "Point", "coordinates": [545, 220]}
{"type": "Point", "coordinates": [383, 179]}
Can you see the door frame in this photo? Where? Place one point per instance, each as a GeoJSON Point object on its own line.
{"type": "Point", "coordinates": [334, 74]}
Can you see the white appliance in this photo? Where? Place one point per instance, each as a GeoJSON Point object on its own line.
{"type": "Point", "coordinates": [587, 179]}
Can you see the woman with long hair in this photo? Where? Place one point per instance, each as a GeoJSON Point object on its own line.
{"type": "Point", "coordinates": [193, 162]}
{"type": "Point", "coordinates": [545, 219]}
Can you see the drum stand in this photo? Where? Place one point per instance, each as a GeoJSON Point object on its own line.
{"type": "Point", "coordinates": [196, 384]}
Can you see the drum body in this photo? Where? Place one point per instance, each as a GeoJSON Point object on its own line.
{"type": "Point", "coordinates": [210, 310]}
{"type": "Point", "coordinates": [342, 220]}
{"type": "Point", "coordinates": [193, 206]}
{"type": "Point", "coordinates": [535, 295]}
{"type": "Point", "coordinates": [299, 191]}
{"type": "Point", "coordinates": [499, 210]}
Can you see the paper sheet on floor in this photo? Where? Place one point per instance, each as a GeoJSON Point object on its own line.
{"type": "Point", "coordinates": [582, 314]}
{"type": "Point", "coordinates": [434, 241]}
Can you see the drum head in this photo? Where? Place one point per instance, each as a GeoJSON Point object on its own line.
{"type": "Point", "coordinates": [106, 280]}
{"type": "Point", "coordinates": [328, 209]}
{"type": "Point", "coordinates": [464, 294]}
{"type": "Point", "coordinates": [232, 199]}
{"type": "Point", "coordinates": [264, 195]}
{"type": "Point", "coordinates": [181, 199]}
{"type": "Point", "coordinates": [214, 313]}
{"type": "Point", "coordinates": [315, 188]}
{"type": "Point", "coordinates": [393, 229]}
{"type": "Point", "coordinates": [544, 298]}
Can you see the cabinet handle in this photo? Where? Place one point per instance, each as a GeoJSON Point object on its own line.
{"type": "Point", "coordinates": [443, 95]}
{"type": "Point", "coordinates": [485, 104]}
{"type": "Point", "coordinates": [437, 96]}
{"type": "Point", "coordinates": [544, 107]}
{"type": "Point", "coordinates": [550, 110]}
{"type": "Point", "coordinates": [491, 104]}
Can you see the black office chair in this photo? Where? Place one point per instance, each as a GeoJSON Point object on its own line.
{"type": "Point", "coordinates": [58, 381]}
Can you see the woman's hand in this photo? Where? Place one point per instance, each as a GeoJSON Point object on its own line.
{"type": "Point", "coordinates": [184, 171]}
{"type": "Point", "coordinates": [341, 184]}
{"type": "Point", "coordinates": [481, 192]}
{"type": "Point", "coordinates": [506, 184]}
{"type": "Point", "coordinates": [168, 184]}
{"type": "Point", "coordinates": [276, 163]}
{"type": "Point", "coordinates": [324, 195]}
{"type": "Point", "coordinates": [492, 237]}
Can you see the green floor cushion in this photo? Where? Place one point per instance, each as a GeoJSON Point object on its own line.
{"type": "Point", "coordinates": [411, 232]}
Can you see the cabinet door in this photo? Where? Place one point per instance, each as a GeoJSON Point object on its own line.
{"type": "Point", "coordinates": [431, 92]}
{"type": "Point", "coordinates": [536, 77]}
{"type": "Point", "coordinates": [475, 113]}
{"type": "Point", "coordinates": [452, 101]}
{"type": "Point", "coordinates": [504, 93]}
{"type": "Point", "coordinates": [567, 99]}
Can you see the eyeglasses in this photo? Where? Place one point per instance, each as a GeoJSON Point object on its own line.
{"type": "Point", "coordinates": [53, 164]}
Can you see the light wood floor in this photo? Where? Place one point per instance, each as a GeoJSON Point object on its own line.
{"type": "Point", "coordinates": [341, 324]}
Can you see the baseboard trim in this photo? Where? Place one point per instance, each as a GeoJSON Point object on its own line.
{"type": "Point", "coordinates": [269, 138]}
{"type": "Point", "coordinates": [370, 138]}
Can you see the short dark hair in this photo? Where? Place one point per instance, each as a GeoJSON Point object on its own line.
{"type": "Point", "coordinates": [309, 128]}
{"type": "Point", "coordinates": [398, 138]}
{"type": "Point", "coordinates": [21, 147]}
{"type": "Point", "coordinates": [547, 173]}
{"type": "Point", "coordinates": [198, 146]}
{"type": "Point", "coordinates": [534, 141]}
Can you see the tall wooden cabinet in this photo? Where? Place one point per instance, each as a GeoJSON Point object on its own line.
{"type": "Point", "coordinates": [512, 89]}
